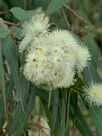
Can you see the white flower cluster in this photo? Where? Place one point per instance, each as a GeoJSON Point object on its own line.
{"type": "Point", "coordinates": [41, 127]}
{"type": "Point", "coordinates": [52, 57]}
{"type": "Point", "coordinates": [93, 94]}
{"type": "Point", "coordinates": [37, 26]}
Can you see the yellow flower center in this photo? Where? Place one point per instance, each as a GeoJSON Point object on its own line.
{"type": "Point", "coordinates": [35, 63]}
{"type": "Point", "coordinates": [93, 93]}
{"type": "Point", "coordinates": [58, 60]}
{"type": "Point", "coordinates": [40, 51]}
{"type": "Point", "coordinates": [48, 65]}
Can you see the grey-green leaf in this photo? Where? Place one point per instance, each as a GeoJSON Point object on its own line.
{"type": "Point", "coordinates": [3, 32]}
{"type": "Point", "coordinates": [19, 13]}
{"type": "Point", "coordinates": [80, 122]}
{"type": "Point", "coordinates": [96, 114]}
{"type": "Point", "coordinates": [2, 79]}
{"type": "Point", "coordinates": [25, 116]}
{"type": "Point", "coordinates": [22, 14]}
{"type": "Point", "coordinates": [10, 52]}
{"type": "Point", "coordinates": [55, 5]}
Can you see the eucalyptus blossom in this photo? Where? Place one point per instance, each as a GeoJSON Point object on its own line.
{"type": "Point", "coordinates": [93, 94]}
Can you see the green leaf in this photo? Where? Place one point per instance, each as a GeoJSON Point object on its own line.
{"type": "Point", "coordinates": [11, 54]}
{"type": "Point", "coordinates": [17, 3]}
{"type": "Point", "coordinates": [19, 107]}
{"type": "Point", "coordinates": [54, 104]}
{"type": "Point", "coordinates": [23, 115]}
{"type": "Point", "coordinates": [55, 5]}
{"type": "Point", "coordinates": [3, 32]}
{"type": "Point", "coordinates": [80, 122]}
{"type": "Point", "coordinates": [62, 111]}
{"type": "Point", "coordinates": [8, 91]}
{"type": "Point", "coordinates": [2, 80]}
{"type": "Point", "coordinates": [19, 13]}
{"type": "Point", "coordinates": [3, 5]}
{"type": "Point", "coordinates": [93, 48]}
{"type": "Point", "coordinates": [77, 117]}
{"type": "Point", "coordinates": [90, 75]}
{"type": "Point", "coordinates": [43, 96]}
{"type": "Point", "coordinates": [22, 14]}
{"type": "Point", "coordinates": [16, 32]}
{"type": "Point", "coordinates": [41, 3]}
{"type": "Point", "coordinates": [96, 114]}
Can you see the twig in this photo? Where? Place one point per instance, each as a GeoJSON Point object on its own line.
{"type": "Point", "coordinates": [12, 24]}
{"type": "Point", "coordinates": [65, 18]}
{"type": "Point", "coordinates": [81, 19]}
{"type": "Point", "coordinates": [13, 37]}
{"type": "Point", "coordinates": [75, 14]}
{"type": "Point", "coordinates": [97, 27]}
{"type": "Point", "coordinates": [4, 12]}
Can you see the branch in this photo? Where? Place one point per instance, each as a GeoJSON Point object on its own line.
{"type": "Point", "coordinates": [12, 24]}
{"type": "Point", "coordinates": [81, 19]}
{"type": "Point", "coordinates": [75, 14]}
{"type": "Point", "coordinates": [65, 18]}
{"type": "Point", "coordinates": [4, 12]}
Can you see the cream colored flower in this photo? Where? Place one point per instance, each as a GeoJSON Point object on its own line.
{"type": "Point", "coordinates": [93, 94]}
{"type": "Point", "coordinates": [63, 39]}
{"type": "Point", "coordinates": [40, 127]}
{"type": "Point", "coordinates": [49, 65]}
{"type": "Point", "coordinates": [70, 45]}
{"type": "Point", "coordinates": [25, 43]}
{"type": "Point", "coordinates": [37, 26]}
{"type": "Point", "coordinates": [53, 58]}
{"type": "Point", "coordinates": [82, 57]}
